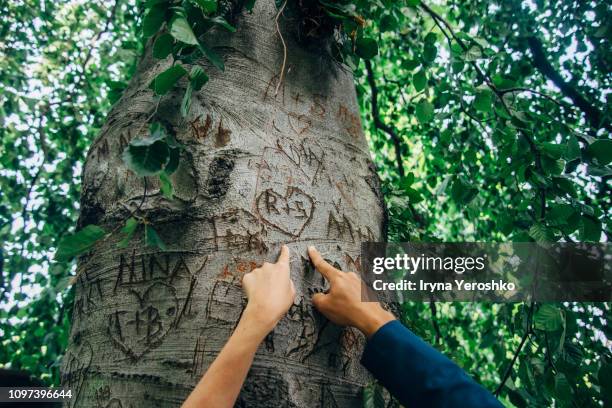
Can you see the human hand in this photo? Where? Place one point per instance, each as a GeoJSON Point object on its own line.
{"type": "Point", "coordinates": [270, 291]}
{"type": "Point", "coordinates": [342, 304]}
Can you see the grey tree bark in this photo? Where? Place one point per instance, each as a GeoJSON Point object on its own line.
{"type": "Point", "coordinates": [260, 168]}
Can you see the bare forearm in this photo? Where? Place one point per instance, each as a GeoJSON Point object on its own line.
{"type": "Point", "coordinates": [222, 382]}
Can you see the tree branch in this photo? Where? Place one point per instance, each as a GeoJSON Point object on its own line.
{"type": "Point", "coordinates": [434, 320]}
{"type": "Point", "coordinates": [593, 115]}
{"type": "Point", "coordinates": [516, 353]}
{"type": "Point", "coordinates": [379, 124]}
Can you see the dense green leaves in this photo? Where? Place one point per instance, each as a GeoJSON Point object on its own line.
{"type": "Point", "coordinates": [79, 242]}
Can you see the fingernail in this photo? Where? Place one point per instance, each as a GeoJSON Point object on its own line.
{"type": "Point", "coordinates": [311, 248]}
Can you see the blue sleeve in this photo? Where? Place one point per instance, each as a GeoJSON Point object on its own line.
{"type": "Point", "coordinates": [417, 374]}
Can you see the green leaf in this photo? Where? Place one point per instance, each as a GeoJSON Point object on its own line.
{"type": "Point", "coordinates": [198, 78]}
{"type": "Point", "coordinates": [153, 20]}
{"type": "Point", "coordinates": [220, 21]}
{"type": "Point", "coordinates": [483, 100]}
{"type": "Point", "coordinates": [548, 318]}
{"type": "Point", "coordinates": [180, 29]}
{"type": "Point", "coordinates": [410, 64]}
{"type": "Point", "coordinates": [572, 149]}
{"type": "Point", "coordinates": [186, 102]}
{"type": "Point", "coordinates": [373, 397]}
{"type": "Point", "coordinates": [388, 23]}
{"type": "Point", "coordinates": [556, 151]}
{"type": "Point", "coordinates": [414, 196]}
{"type": "Point", "coordinates": [473, 53]}
{"type": "Point", "coordinates": [407, 180]}
{"type": "Point", "coordinates": [601, 150]}
{"type": "Point", "coordinates": [163, 82]}
{"type": "Point", "coordinates": [78, 243]}
{"type": "Point", "coordinates": [559, 213]}
{"type": "Point", "coordinates": [539, 233]}
{"type": "Point", "coordinates": [563, 388]}
{"type": "Point", "coordinates": [163, 46]}
{"type": "Point", "coordinates": [413, 3]}
{"type": "Point", "coordinates": [208, 6]}
{"type": "Point", "coordinates": [590, 229]}
{"type": "Point", "coordinates": [565, 185]}
{"type": "Point", "coordinates": [131, 224]}
{"type": "Point", "coordinates": [212, 56]}
{"type": "Point", "coordinates": [419, 80]}
{"type": "Point", "coordinates": [463, 192]}
{"type": "Point", "coordinates": [366, 47]}
{"type": "Point", "coordinates": [604, 375]}
{"type": "Point", "coordinates": [153, 239]}
{"type": "Point", "coordinates": [147, 156]}
{"type": "Point", "coordinates": [424, 111]}
{"type": "Point", "coordinates": [429, 51]}
{"type": "Point", "coordinates": [173, 162]}
{"type": "Point", "coordinates": [166, 185]}
{"type": "Point", "coordinates": [551, 166]}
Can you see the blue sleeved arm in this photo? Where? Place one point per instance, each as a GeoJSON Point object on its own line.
{"type": "Point", "coordinates": [417, 374]}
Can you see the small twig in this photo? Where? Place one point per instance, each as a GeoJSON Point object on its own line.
{"type": "Point", "coordinates": [434, 321]}
{"type": "Point", "coordinates": [516, 353]}
{"type": "Point", "coordinates": [379, 124]}
{"type": "Point", "coordinates": [542, 94]}
{"type": "Point", "coordinates": [282, 73]}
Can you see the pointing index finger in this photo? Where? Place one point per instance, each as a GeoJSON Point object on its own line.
{"type": "Point", "coordinates": [284, 255]}
{"type": "Point", "coordinates": [322, 266]}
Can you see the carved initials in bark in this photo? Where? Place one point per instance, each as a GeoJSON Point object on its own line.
{"type": "Point", "coordinates": [136, 331]}
{"type": "Point", "coordinates": [289, 213]}
{"type": "Point", "coordinates": [76, 367]}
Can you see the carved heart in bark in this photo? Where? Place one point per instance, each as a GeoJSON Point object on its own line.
{"type": "Point", "coordinates": [289, 212]}
{"type": "Point", "coordinates": [138, 330]}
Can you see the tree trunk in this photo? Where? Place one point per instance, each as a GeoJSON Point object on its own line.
{"type": "Point", "coordinates": [259, 169]}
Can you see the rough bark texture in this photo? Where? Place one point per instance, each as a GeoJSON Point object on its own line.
{"type": "Point", "coordinates": [258, 170]}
